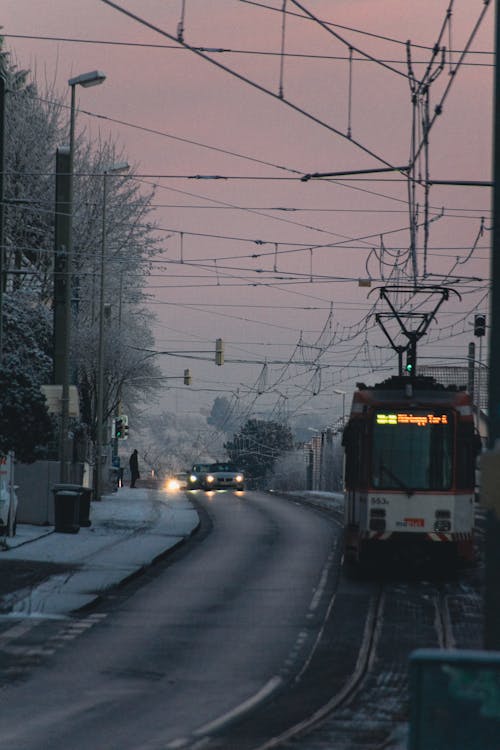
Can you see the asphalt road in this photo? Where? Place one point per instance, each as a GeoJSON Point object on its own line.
{"type": "Point", "coordinates": [199, 640]}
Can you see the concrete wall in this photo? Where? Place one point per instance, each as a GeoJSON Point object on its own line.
{"type": "Point", "coordinates": [35, 497]}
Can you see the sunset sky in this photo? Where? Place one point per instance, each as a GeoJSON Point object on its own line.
{"type": "Point", "coordinates": [270, 263]}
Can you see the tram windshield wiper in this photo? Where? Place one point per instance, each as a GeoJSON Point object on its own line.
{"type": "Point", "coordinates": [385, 470]}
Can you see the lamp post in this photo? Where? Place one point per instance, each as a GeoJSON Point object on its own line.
{"type": "Point", "coordinates": [94, 78]}
{"type": "Point", "coordinates": [343, 394]}
{"type": "Point", "coordinates": [117, 168]}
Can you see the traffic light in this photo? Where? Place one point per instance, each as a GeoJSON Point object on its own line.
{"type": "Point", "coordinates": [410, 361]}
{"type": "Point", "coordinates": [118, 428]}
{"type": "Point", "coordinates": [187, 377]}
{"type": "Point", "coordinates": [219, 352]}
{"type": "Point", "coordinates": [121, 427]}
{"type": "Point", "coordinates": [479, 325]}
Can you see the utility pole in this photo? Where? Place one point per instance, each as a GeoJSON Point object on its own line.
{"type": "Point", "coordinates": [61, 270]}
{"type": "Point", "coordinates": [62, 299]}
{"type": "Point", "coordinates": [471, 358]}
{"type": "Point", "coordinates": [491, 468]}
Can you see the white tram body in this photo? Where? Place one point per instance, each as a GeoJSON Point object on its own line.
{"type": "Point", "coordinates": [410, 450]}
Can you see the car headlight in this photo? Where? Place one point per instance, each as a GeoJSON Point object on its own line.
{"type": "Point", "coordinates": [210, 478]}
{"type": "Point", "coordinates": [239, 478]}
{"type": "Point", "coordinates": [193, 478]}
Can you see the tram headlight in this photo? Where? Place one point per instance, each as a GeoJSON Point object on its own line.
{"type": "Point", "coordinates": [210, 479]}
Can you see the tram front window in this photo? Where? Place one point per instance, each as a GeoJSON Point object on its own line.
{"type": "Point", "coordinates": [412, 451]}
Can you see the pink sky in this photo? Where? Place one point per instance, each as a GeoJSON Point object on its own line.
{"type": "Point", "coordinates": [173, 91]}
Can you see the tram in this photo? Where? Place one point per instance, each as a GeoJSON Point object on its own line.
{"type": "Point", "coordinates": [410, 456]}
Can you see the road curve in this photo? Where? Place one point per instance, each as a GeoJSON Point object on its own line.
{"type": "Point", "coordinates": [202, 639]}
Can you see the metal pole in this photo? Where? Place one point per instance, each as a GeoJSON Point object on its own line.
{"type": "Point", "coordinates": [100, 422]}
{"type": "Point", "coordinates": [100, 355]}
{"type": "Point", "coordinates": [2, 198]}
{"type": "Point", "coordinates": [494, 349]}
{"type": "Point", "coordinates": [492, 553]}
{"type": "Point", "coordinates": [61, 240]}
{"type": "Point", "coordinates": [479, 385]}
{"type": "Point", "coordinates": [471, 375]}
{"type": "Point", "coordinates": [65, 457]}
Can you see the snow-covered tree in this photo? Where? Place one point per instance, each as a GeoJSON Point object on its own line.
{"type": "Point", "coordinates": [290, 472]}
{"type": "Point", "coordinates": [36, 125]}
{"type": "Point", "coordinates": [25, 426]}
{"type": "Point", "coordinates": [122, 245]}
{"type": "Point", "coordinates": [32, 133]}
{"type": "Point", "coordinates": [174, 442]}
{"type": "Point", "coordinates": [257, 445]}
{"type": "Point", "coordinates": [222, 415]}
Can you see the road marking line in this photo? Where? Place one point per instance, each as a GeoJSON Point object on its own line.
{"type": "Point", "coordinates": [16, 631]}
{"type": "Point", "coordinates": [321, 585]}
{"type": "Point", "coordinates": [212, 726]}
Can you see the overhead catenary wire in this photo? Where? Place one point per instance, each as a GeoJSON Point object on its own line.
{"type": "Point", "coordinates": [438, 108]}
{"type": "Point", "coordinates": [282, 51]}
{"type": "Point", "coordinates": [383, 258]}
{"type": "Point", "coordinates": [250, 82]}
{"type": "Point", "coordinates": [343, 27]}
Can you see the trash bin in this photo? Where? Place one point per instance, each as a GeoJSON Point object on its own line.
{"type": "Point", "coordinates": [85, 495]}
{"type": "Point", "coordinates": [66, 510]}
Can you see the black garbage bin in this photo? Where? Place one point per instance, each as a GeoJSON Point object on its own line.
{"type": "Point", "coordinates": [66, 510]}
{"type": "Point", "coordinates": [85, 495]}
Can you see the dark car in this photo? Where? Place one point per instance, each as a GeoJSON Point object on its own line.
{"type": "Point", "coordinates": [223, 475]}
{"type": "Point", "coordinates": [196, 476]}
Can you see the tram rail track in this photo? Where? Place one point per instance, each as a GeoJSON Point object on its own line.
{"type": "Point", "coordinates": [445, 623]}
{"type": "Point", "coordinates": [402, 615]}
{"type": "Point", "coordinates": [365, 657]}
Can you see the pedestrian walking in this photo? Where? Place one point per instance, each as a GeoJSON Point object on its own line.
{"type": "Point", "coordinates": [133, 462]}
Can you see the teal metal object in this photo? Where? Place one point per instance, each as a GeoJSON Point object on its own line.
{"type": "Point", "coordinates": [455, 700]}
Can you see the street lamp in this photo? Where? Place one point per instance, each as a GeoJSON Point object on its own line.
{"type": "Point", "coordinates": [117, 168]}
{"type": "Point", "coordinates": [94, 78]}
{"type": "Point", "coordinates": [343, 394]}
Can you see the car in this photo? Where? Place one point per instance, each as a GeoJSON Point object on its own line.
{"type": "Point", "coordinates": [196, 476]}
{"type": "Point", "coordinates": [222, 475]}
